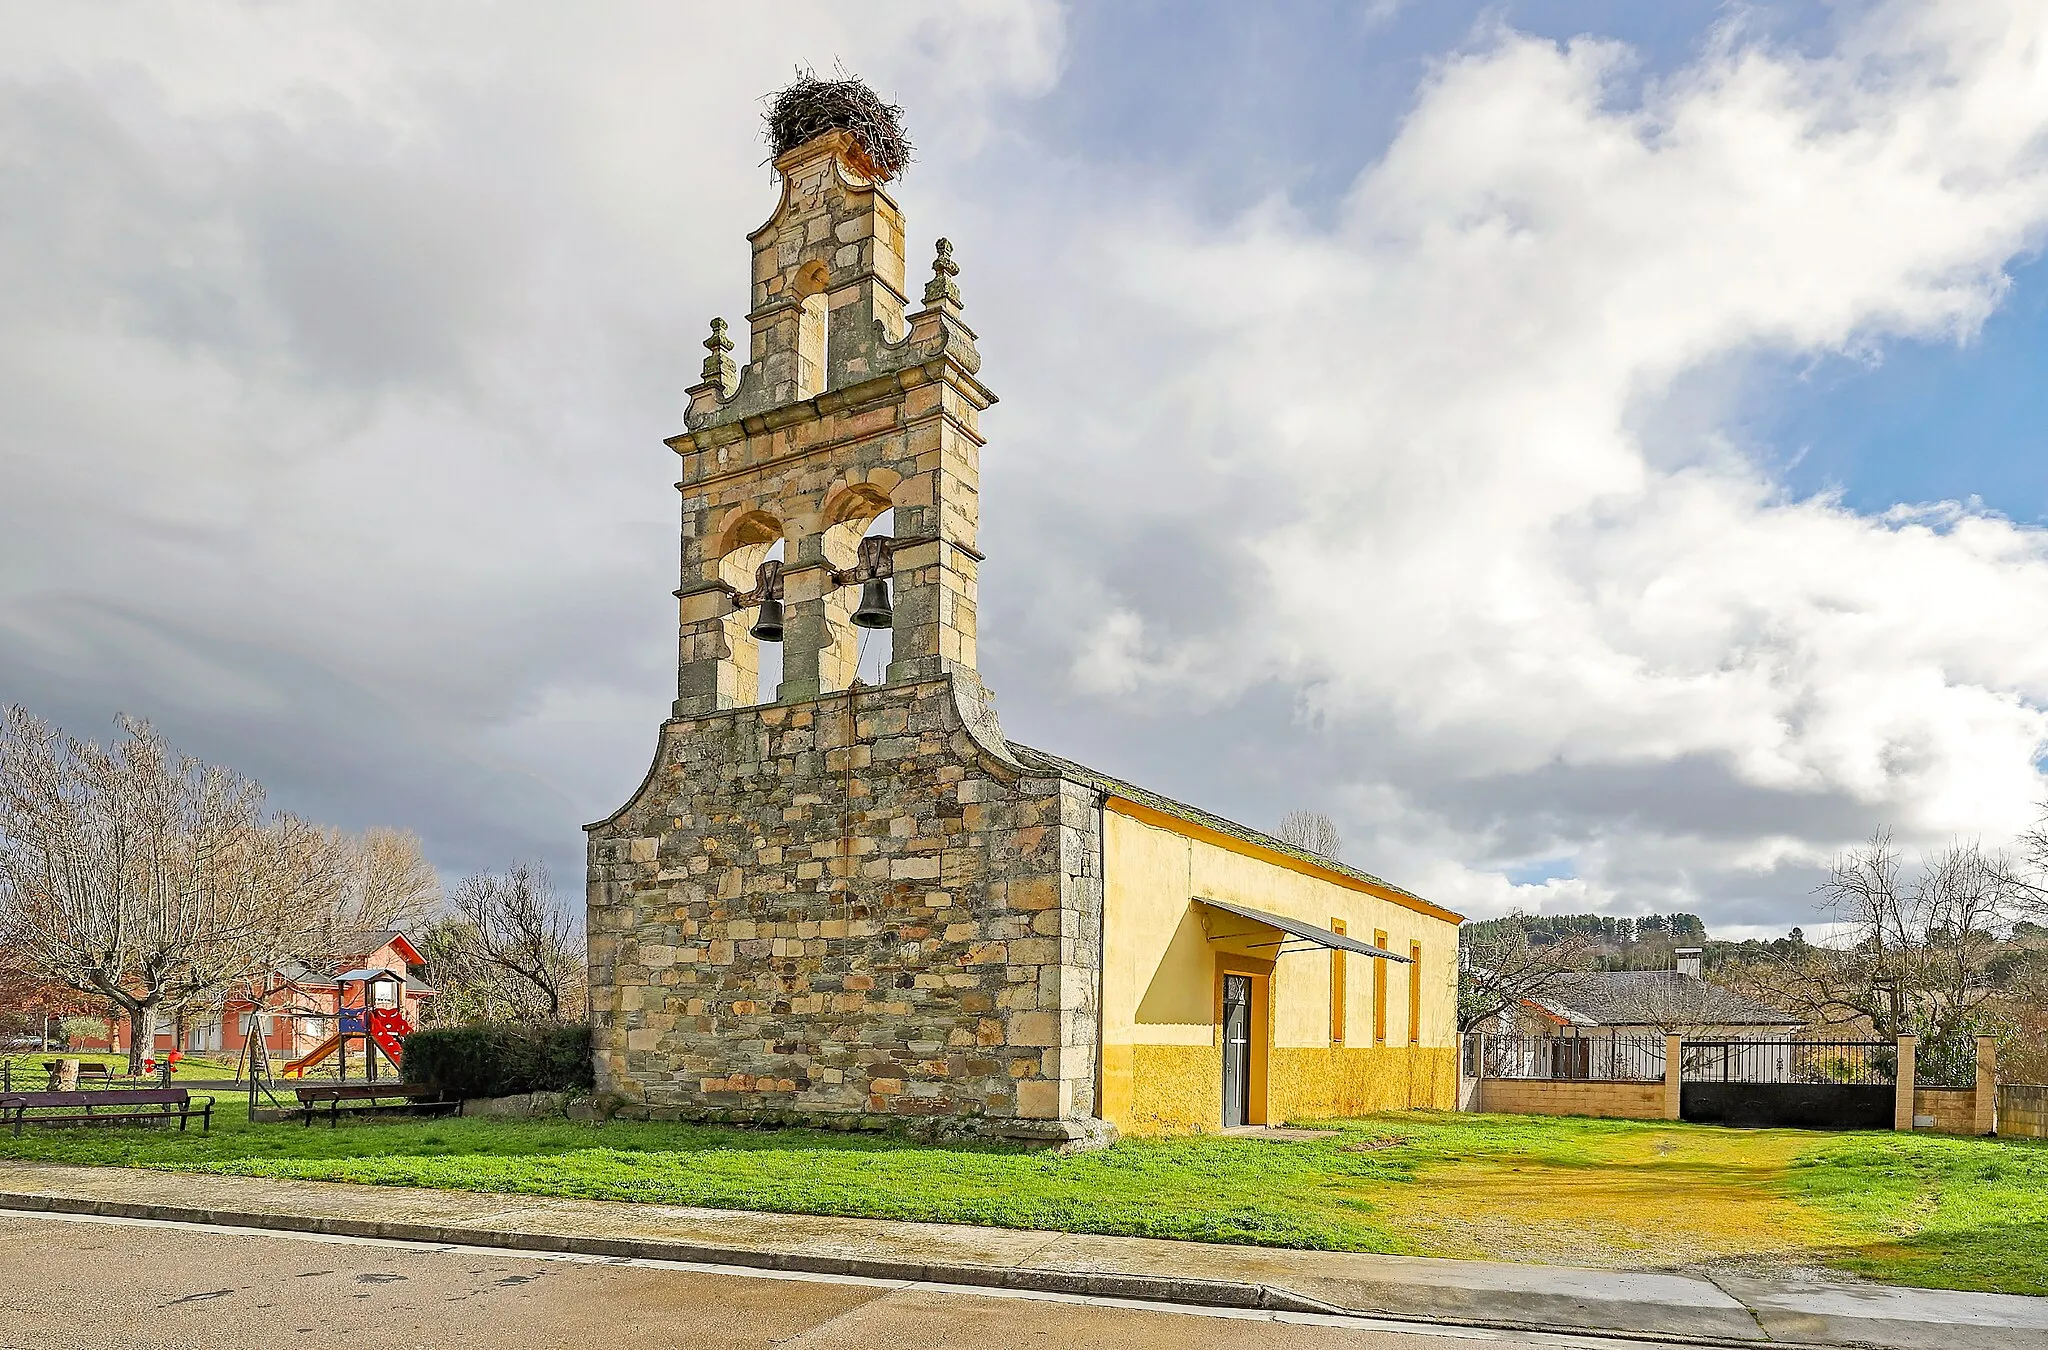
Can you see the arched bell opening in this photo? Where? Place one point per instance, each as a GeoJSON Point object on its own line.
{"type": "Point", "coordinates": [860, 523]}
{"type": "Point", "coordinates": [752, 631]}
{"type": "Point", "coordinates": [874, 613]}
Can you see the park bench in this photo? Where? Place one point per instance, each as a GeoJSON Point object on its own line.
{"type": "Point", "coordinates": [106, 1106]}
{"type": "Point", "coordinates": [357, 1097]}
{"type": "Point", "coordinates": [88, 1071]}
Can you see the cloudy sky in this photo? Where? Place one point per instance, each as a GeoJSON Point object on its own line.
{"type": "Point", "coordinates": [1597, 452]}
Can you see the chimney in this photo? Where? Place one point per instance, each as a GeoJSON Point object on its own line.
{"type": "Point", "coordinates": [1689, 961]}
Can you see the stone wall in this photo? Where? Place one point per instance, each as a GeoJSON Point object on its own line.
{"type": "Point", "coordinates": [1952, 1110]}
{"type": "Point", "coordinates": [850, 908]}
{"type": "Point", "coordinates": [2022, 1111]}
{"type": "Point", "coordinates": [1545, 1097]}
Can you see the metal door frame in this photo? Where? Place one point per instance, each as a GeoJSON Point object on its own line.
{"type": "Point", "coordinates": [1259, 975]}
{"type": "Point", "coordinates": [1237, 1055]}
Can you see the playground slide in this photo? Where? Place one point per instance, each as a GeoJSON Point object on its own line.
{"type": "Point", "coordinates": [389, 1029]}
{"type": "Point", "coordinates": [308, 1060]}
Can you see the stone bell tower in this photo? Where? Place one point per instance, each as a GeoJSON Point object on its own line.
{"type": "Point", "coordinates": [832, 899]}
{"type": "Point", "coordinates": [847, 407]}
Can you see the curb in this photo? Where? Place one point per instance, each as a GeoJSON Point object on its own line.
{"type": "Point", "coordinates": [1149, 1288]}
{"type": "Point", "coordinates": [1191, 1291]}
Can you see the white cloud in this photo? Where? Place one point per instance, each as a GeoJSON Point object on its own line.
{"type": "Point", "coordinates": [337, 345]}
{"type": "Point", "coordinates": [1500, 566]}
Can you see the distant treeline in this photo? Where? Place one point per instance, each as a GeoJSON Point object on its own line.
{"type": "Point", "coordinates": [1605, 929]}
{"type": "Point", "coordinates": [1755, 949]}
{"type": "Point", "coordinates": [1640, 942]}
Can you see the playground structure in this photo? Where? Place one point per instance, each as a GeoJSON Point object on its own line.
{"type": "Point", "coordinates": [363, 1014]}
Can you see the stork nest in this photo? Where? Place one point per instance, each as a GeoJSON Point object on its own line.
{"type": "Point", "coordinates": [810, 107]}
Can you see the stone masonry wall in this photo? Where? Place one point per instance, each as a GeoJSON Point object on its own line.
{"type": "Point", "coordinates": [2022, 1111]}
{"type": "Point", "coordinates": [847, 909]}
{"type": "Point", "coordinates": [1543, 1097]}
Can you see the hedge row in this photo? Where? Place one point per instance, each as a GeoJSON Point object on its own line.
{"type": "Point", "coordinates": [497, 1059]}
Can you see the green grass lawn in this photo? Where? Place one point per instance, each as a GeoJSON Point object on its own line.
{"type": "Point", "coordinates": [1940, 1212]}
{"type": "Point", "coordinates": [1951, 1213]}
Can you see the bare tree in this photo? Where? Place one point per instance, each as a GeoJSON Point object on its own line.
{"type": "Point", "coordinates": [1312, 832]}
{"type": "Point", "coordinates": [2025, 871]}
{"type": "Point", "coordinates": [378, 880]}
{"type": "Point", "coordinates": [140, 875]}
{"type": "Point", "coordinates": [1920, 949]}
{"type": "Point", "coordinates": [393, 885]}
{"type": "Point", "coordinates": [1499, 967]}
{"type": "Point", "coordinates": [509, 951]}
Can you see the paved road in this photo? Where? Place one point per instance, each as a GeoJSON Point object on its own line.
{"type": "Point", "coordinates": [113, 1285]}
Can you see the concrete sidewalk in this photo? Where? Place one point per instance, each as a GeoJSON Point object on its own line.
{"type": "Point", "coordinates": [1647, 1304]}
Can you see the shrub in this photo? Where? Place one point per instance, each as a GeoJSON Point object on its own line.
{"type": "Point", "coordinates": [78, 1030]}
{"type": "Point", "coordinates": [497, 1059]}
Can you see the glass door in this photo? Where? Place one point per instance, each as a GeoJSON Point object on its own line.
{"type": "Point", "coordinates": [1237, 1049]}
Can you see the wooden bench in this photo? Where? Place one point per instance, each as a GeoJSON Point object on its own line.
{"type": "Point", "coordinates": [91, 1070]}
{"type": "Point", "coordinates": [359, 1097]}
{"type": "Point", "coordinates": [107, 1106]}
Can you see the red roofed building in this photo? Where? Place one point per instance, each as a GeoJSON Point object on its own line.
{"type": "Point", "coordinates": [298, 1004]}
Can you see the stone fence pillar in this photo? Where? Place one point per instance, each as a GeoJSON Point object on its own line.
{"type": "Point", "coordinates": [1902, 1091]}
{"type": "Point", "coordinates": [1986, 1121]}
{"type": "Point", "coordinates": [1674, 1055]}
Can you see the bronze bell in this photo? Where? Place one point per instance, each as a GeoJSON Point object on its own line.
{"type": "Point", "coordinates": [874, 611]}
{"type": "Point", "coordinates": [768, 626]}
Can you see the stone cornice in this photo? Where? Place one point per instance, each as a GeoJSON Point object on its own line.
{"type": "Point", "coordinates": [831, 403]}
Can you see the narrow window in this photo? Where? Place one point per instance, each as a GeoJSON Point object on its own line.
{"type": "Point", "coordinates": [1379, 989]}
{"type": "Point", "coordinates": [1415, 993]}
{"type": "Point", "coordinates": [1336, 989]}
{"type": "Point", "coordinates": [810, 346]}
{"type": "Point", "coordinates": [813, 322]}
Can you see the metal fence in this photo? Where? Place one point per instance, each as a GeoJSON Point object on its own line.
{"type": "Point", "coordinates": [1601, 1059]}
{"type": "Point", "coordinates": [26, 1074]}
{"type": "Point", "coordinates": [1790, 1061]}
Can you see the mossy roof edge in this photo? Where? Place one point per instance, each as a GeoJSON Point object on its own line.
{"type": "Point", "coordinates": [1032, 757]}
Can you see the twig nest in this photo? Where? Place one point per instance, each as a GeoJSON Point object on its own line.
{"type": "Point", "coordinates": [810, 107]}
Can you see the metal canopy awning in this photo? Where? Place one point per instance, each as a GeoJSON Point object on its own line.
{"type": "Point", "coordinates": [1299, 935]}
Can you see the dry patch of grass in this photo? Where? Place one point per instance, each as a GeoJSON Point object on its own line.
{"type": "Point", "coordinates": [1645, 1198]}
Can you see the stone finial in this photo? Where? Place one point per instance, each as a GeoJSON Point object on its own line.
{"type": "Point", "coordinates": [941, 288]}
{"type": "Point", "coordinates": [719, 368]}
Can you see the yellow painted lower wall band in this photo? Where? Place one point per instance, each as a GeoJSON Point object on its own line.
{"type": "Point", "coordinates": [1306, 1084]}
{"type": "Point", "coordinates": [1177, 1089]}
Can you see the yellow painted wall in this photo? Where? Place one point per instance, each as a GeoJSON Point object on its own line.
{"type": "Point", "coordinates": [1175, 1089]}
{"type": "Point", "coordinates": [1333, 1081]}
{"type": "Point", "coordinates": [1162, 1058]}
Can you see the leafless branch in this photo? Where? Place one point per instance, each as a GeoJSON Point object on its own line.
{"type": "Point", "coordinates": [509, 951]}
{"type": "Point", "coordinates": [1312, 832]}
{"type": "Point", "coordinates": [1501, 968]}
